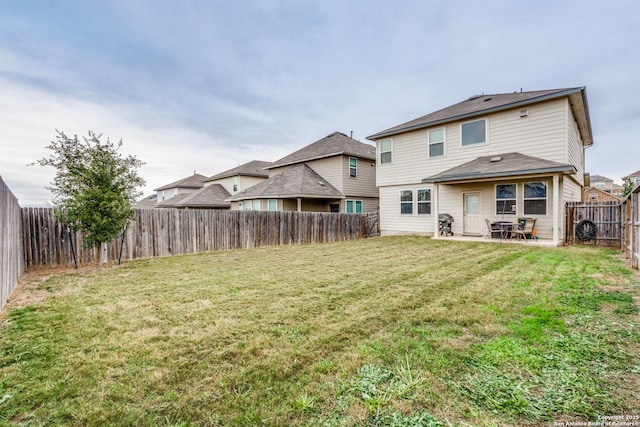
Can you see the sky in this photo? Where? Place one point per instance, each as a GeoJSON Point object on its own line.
{"type": "Point", "coordinates": [207, 85]}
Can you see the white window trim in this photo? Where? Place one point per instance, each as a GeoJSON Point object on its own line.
{"type": "Point", "coordinates": [495, 199]}
{"type": "Point", "coordinates": [355, 167]}
{"type": "Point", "coordinates": [380, 151]}
{"type": "Point", "coordinates": [430, 202]}
{"type": "Point", "coordinates": [546, 198]}
{"type": "Point", "coordinates": [413, 201]}
{"type": "Point", "coordinates": [429, 143]}
{"type": "Point", "coordinates": [486, 133]}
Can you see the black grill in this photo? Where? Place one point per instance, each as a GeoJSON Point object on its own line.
{"type": "Point", "coordinates": [445, 221]}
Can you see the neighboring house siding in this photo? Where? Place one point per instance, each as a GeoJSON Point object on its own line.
{"type": "Point", "coordinates": [244, 182]}
{"type": "Point", "coordinates": [368, 204]}
{"type": "Point", "coordinates": [364, 184]}
{"type": "Point", "coordinates": [541, 134]}
{"type": "Point", "coordinates": [164, 195]}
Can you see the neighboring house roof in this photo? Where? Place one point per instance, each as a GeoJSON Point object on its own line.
{"type": "Point", "coordinates": [147, 202]}
{"type": "Point", "coordinates": [193, 181]}
{"type": "Point", "coordinates": [485, 104]}
{"type": "Point", "coordinates": [500, 165]}
{"type": "Point", "coordinates": [253, 168]}
{"type": "Point", "coordinates": [335, 144]}
{"type": "Point", "coordinates": [297, 181]}
{"type": "Point", "coordinates": [636, 173]}
{"type": "Point", "coordinates": [211, 196]}
{"type": "Point", "coordinates": [600, 178]}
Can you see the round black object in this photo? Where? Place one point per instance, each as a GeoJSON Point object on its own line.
{"type": "Point", "coordinates": [586, 230]}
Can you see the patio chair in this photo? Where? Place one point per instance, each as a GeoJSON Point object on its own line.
{"type": "Point", "coordinates": [494, 229]}
{"type": "Point", "coordinates": [527, 230]}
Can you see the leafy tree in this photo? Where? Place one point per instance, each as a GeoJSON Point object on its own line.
{"type": "Point", "coordinates": [627, 185]}
{"type": "Point", "coordinates": [94, 187]}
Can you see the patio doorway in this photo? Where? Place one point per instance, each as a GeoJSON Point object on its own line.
{"type": "Point", "coordinates": [471, 221]}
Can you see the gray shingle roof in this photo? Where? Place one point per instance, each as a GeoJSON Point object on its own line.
{"type": "Point", "coordinates": [484, 104]}
{"type": "Point", "coordinates": [331, 145]}
{"type": "Point", "coordinates": [211, 196]}
{"type": "Point", "coordinates": [297, 181]}
{"type": "Point", "coordinates": [253, 168]}
{"type": "Point", "coordinates": [500, 165]}
{"type": "Point", "coordinates": [599, 178]}
{"type": "Point", "coordinates": [194, 181]}
{"type": "Point", "coordinates": [147, 202]}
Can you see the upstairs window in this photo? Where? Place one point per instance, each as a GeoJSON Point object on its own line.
{"type": "Point", "coordinates": [386, 147]}
{"type": "Point", "coordinates": [235, 184]}
{"type": "Point", "coordinates": [436, 142]}
{"type": "Point", "coordinates": [535, 198]}
{"type": "Point", "coordinates": [506, 199]}
{"type": "Point", "coordinates": [474, 132]}
{"type": "Point", "coordinates": [353, 166]}
{"type": "Point", "coordinates": [406, 202]}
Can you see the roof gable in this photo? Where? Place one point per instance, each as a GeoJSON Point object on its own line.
{"type": "Point", "coordinates": [331, 145]}
{"type": "Point", "coordinates": [485, 104]}
{"type": "Point", "coordinates": [194, 181]}
{"type": "Point", "coordinates": [252, 168]}
{"type": "Point", "coordinates": [297, 181]}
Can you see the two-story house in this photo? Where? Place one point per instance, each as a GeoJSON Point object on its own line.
{"type": "Point", "coordinates": [495, 157]}
{"type": "Point", "coordinates": [333, 174]}
{"type": "Point", "coordinates": [605, 184]}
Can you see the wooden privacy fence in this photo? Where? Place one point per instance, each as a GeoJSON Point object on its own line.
{"type": "Point", "coordinates": [595, 223]}
{"type": "Point", "coordinates": [164, 232]}
{"type": "Point", "coordinates": [11, 265]}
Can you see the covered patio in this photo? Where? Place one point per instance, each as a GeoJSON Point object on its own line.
{"type": "Point", "coordinates": [506, 189]}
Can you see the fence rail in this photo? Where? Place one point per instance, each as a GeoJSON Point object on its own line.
{"type": "Point", "coordinates": [606, 217]}
{"type": "Point", "coordinates": [164, 232]}
{"type": "Point", "coordinates": [11, 265]}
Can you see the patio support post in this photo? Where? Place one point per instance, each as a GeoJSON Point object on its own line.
{"type": "Point", "coordinates": [299, 204]}
{"type": "Point", "coordinates": [556, 209]}
{"type": "Point", "coordinates": [436, 224]}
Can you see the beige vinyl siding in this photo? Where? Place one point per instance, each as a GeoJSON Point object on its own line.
{"type": "Point", "coordinates": [541, 134]}
{"type": "Point", "coordinates": [244, 182]}
{"type": "Point", "coordinates": [450, 201]}
{"type": "Point", "coordinates": [364, 184]}
{"type": "Point", "coordinates": [392, 222]}
{"type": "Point", "coordinates": [575, 147]}
{"type": "Point", "coordinates": [226, 183]}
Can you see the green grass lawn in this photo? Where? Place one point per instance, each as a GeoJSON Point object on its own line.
{"type": "Point", "coordinates": [400, 331]}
